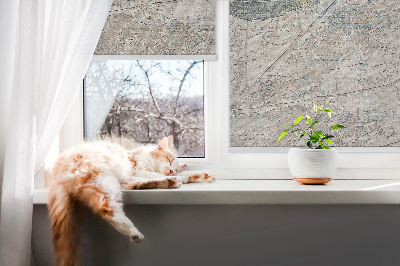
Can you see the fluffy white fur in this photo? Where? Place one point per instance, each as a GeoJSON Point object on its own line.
{"type": "Point", "coordinates": [94, 174]}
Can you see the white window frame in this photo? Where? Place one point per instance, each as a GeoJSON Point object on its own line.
{"type": "Point", "coordinates": [245, 163]}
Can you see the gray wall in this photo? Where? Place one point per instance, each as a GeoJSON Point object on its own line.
{"type": "Point", "coordinates": [237, 235]}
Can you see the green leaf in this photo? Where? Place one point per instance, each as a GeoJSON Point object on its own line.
{"type": "Point", "coordinates": [329, 141]}
{"type": "Point", "coordinates": [337, 126]}
{"type": "Point", "coordinates": [315, 108]}
{"type": "Point", "coordinates": [303, 134]}
{"type": "Point", "coordinates": [309, 144]}
{"type": "Point", "coordinates": [327, 137]}
{"type": "Point", "coordinates": [313, 123]}
{"type": "Point", "coordinates": [309, 120]}
{"type": "Point", "coordinates": [317, 135]}
{"type": "Point", "coordinates": [298, 120]}
{"type": "Point", "coordinates": [283, 134]}
{"type": "Point", "coordinates": [329, 111]}
{"type": "Point", "coordinates": [322, 146]}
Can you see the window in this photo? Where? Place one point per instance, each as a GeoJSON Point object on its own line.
{"type": "Point", "coordinates": [141, 101]}
{"type": "Point", "coordinates": [228, 162]}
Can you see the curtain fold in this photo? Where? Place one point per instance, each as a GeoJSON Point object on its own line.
{"type": "Point", "coordinates": [8, 24]}
{"type": "Point", "coordinates": [55, 41]}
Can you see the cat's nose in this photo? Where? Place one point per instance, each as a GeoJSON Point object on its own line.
{"type": "Point", "coordinates": [171, 172]}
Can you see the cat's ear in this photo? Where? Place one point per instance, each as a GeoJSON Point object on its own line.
{"type": "Point", "coordinates": [163, 145]}
{"type": "Point", "coordinates": [171, 146]}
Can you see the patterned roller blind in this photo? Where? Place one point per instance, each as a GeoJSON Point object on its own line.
{"type": "Point", "coordinates": [159, 27]}
{"type": "Point", "coordinates": [286, 55]}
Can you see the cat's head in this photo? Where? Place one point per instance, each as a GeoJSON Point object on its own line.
{"type": "Point", "coordinates": [164, 161]}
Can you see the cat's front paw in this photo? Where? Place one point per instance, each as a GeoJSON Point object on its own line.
{"type": "Point", "coordinates": [182, 167]}
{"type": "Point", "coordinates": [137, 237]}
{"type": "Point", "coordinates": [174, 182]}
{"type": "Point", "coordinates": [210, 177]}
{"type": "Point", "coordinates": [201, 177]}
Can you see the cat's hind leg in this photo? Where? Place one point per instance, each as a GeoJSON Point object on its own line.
{"type": "Point", "coordinates": [103, 195]}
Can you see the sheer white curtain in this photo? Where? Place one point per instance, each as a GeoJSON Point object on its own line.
{"type": "Point", "coordinates": [54, 42]}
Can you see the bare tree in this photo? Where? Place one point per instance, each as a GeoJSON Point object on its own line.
{"type": "Point", "coordinates": [143, 111]}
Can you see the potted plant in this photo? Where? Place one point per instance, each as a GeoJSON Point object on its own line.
{"type": "Point", "coordinates": [316, 163]}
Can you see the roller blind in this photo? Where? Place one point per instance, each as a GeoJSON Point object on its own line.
{"type": "Point", "coordinates": [156, 27]}
{"type": "Point", "coordinates": [287, 55]}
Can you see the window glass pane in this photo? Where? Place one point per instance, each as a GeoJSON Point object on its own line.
{"type": "Point", "coordinates": [140, 102]}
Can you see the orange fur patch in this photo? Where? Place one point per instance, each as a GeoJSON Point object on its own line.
{"type": "Point", "coordinates": [163, 157]}
{"type": "Point", "coordinates": [132, 156]}
{"type": "Point", "coordinates": [196, 176]}
{"type": "Point", "coordinates": [97, 199]}
{"type": "Point", "coordinates": [77, 157]}
{"type": "Point", "coordinates": [171, 183]}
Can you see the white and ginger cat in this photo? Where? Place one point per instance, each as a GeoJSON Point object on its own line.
{"type": "Point", "coordinates": [94, 174]}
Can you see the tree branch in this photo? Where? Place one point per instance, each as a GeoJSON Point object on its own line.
{"type": "Point", "coordinates": [181, 83]}
{"type": "Point", "coordinates": [146, 73]}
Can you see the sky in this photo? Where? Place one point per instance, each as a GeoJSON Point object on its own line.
{"type": "Point", "coordinates": [158, 77]}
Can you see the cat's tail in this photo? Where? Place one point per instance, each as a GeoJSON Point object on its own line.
{"type": "Point", "coordinates": [62, 212]}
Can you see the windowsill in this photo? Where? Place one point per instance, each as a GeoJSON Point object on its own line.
{"type": "Point", "coordinates": [264, 192]}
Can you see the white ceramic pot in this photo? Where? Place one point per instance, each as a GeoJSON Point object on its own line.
{"type": "Point", "coordinates": [311, 166]}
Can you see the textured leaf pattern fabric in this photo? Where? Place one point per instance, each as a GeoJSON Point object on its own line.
{"type": "Point", "coordinates": [287, 55]}
{"type": "Point", "coordinates": [149, 27]}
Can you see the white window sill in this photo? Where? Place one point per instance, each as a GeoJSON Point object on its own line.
{"type": "Point", "coordinates": [264, 192]}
